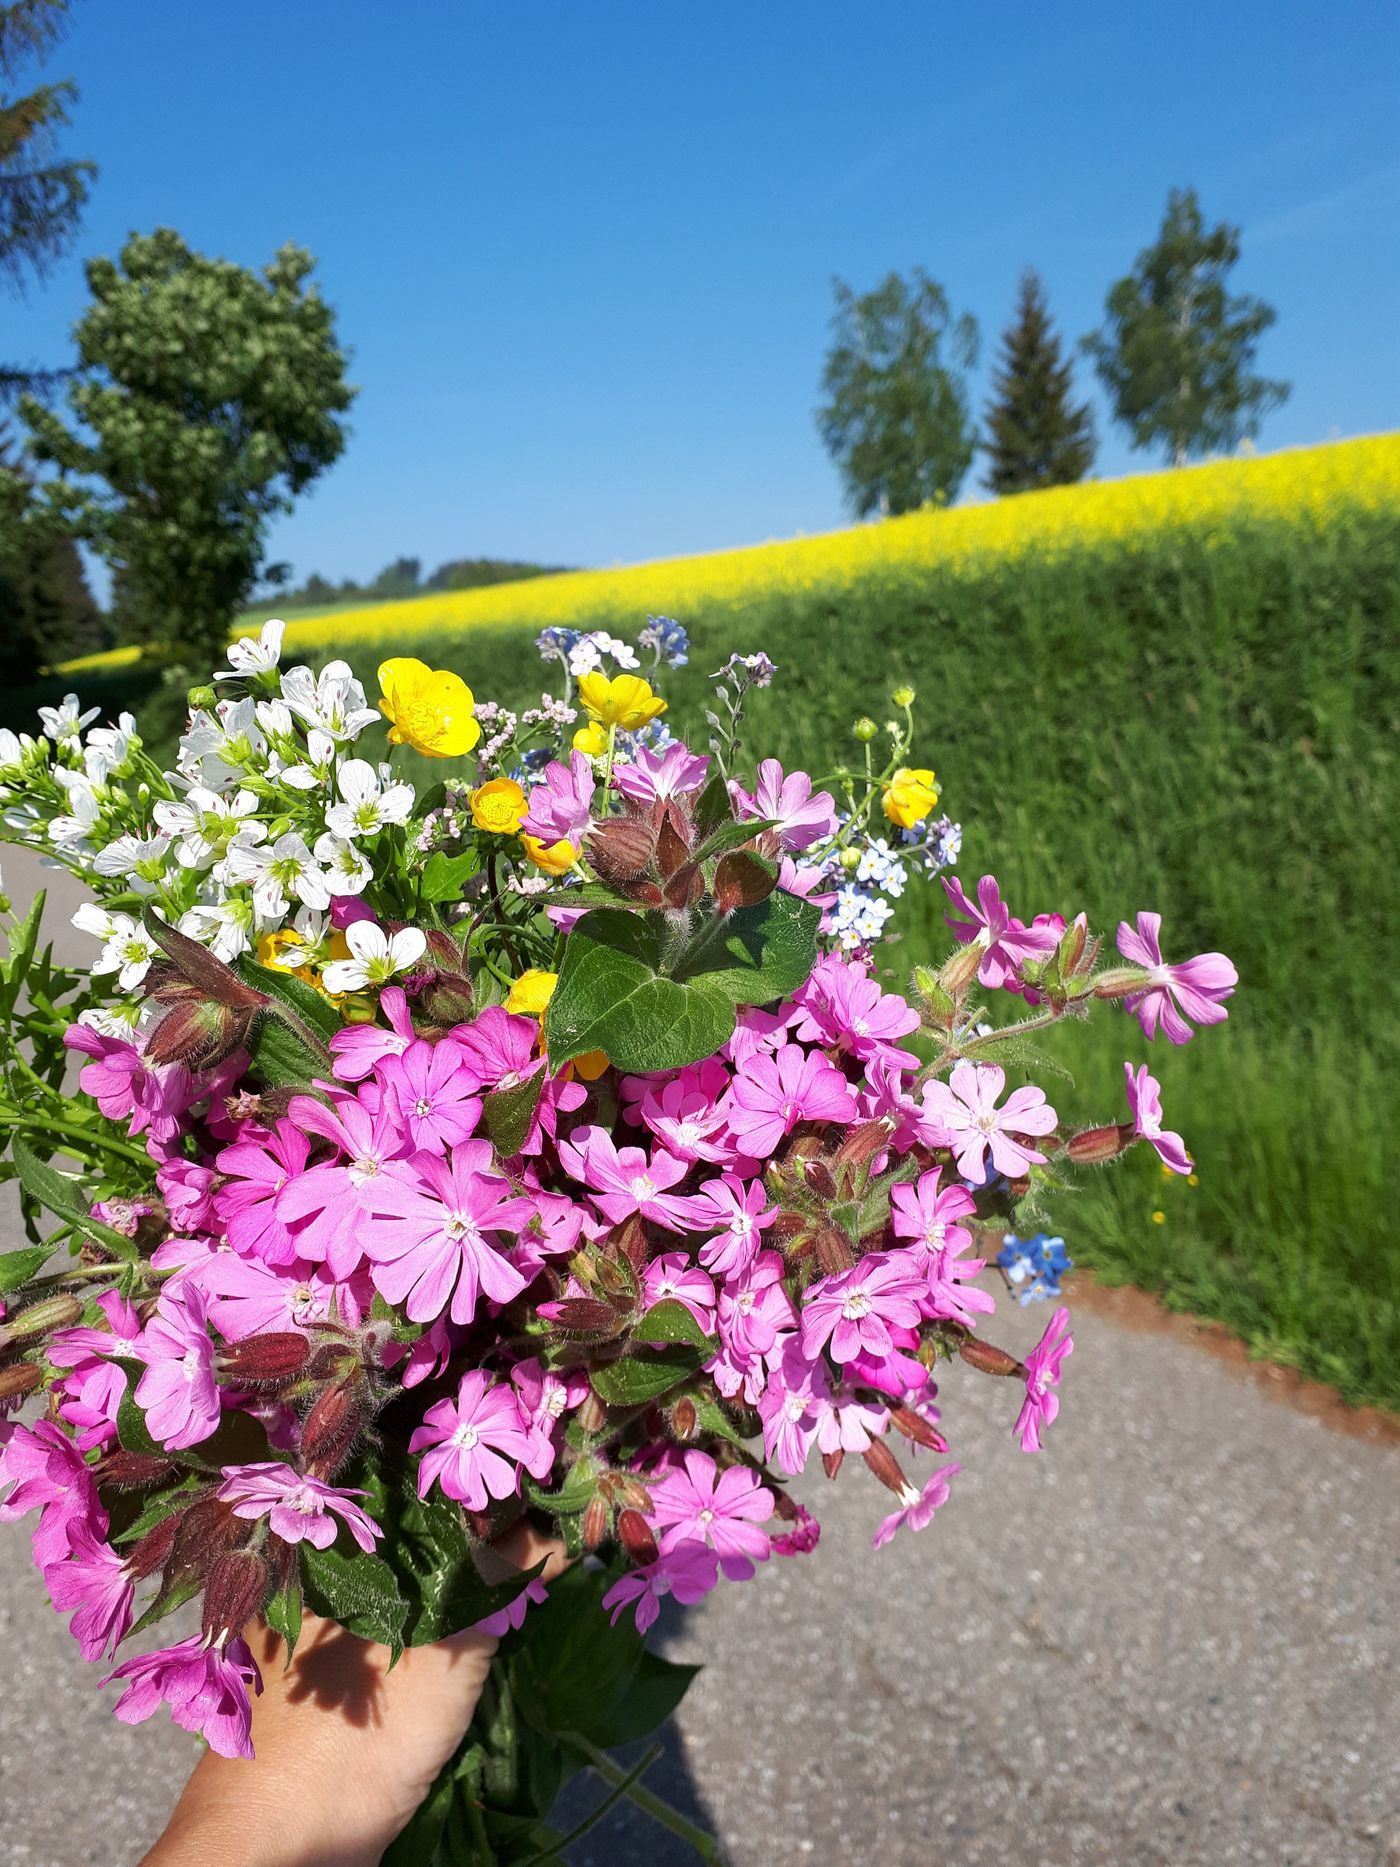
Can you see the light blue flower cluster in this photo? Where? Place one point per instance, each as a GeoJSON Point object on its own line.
{"type": "Point", "coordinates": [1036, 1264]}
{"type": "Point", "coordinates": [667, 640]}
{"type": "Point", "coordinates": [934, 844]}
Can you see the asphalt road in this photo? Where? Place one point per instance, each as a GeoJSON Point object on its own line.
{"type": "Point", "coordinates": [1174, 1637]}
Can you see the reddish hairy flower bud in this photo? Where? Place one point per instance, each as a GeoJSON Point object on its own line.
{"type": "Point", "coordinates": [18, 1380]}
{"type": "Point", "coordinates": [277, 1356]}
{"type": "Point", "coordinates": [591, 1413]}
{"type": "Point", "coordinates": [861, 1143]}
{"type": "Point", "coordinates": [234, 1593]}
{"type": "Point", "coordinates": [914, 1426]}
{"type": "Point", "coordinates": [987, 1358]}
{"type": "Point", "coordinates": [630, 1491]}
{"type": "Point", "coordinates": [123, 1468]}
{"type": "Point", "coordinates": [742, 880]}
{"type": "Point", "coordinates": [199, 1033]}
{"type": "Point", "coordinates": [833, 1461]}
{"type": "Point", "coordinates": [819, 1177]}
{"type": "Point", "coordinates": [623, 849]}
{"type": "Point", "coordinates": [685, 1420]}
{"type": "Point", "coordinates": [885, 1466]}
{"type": "Point", "coordinates": [152, 1552]}
{"type": "Point", "coordinates": [595, 1522]}
{"type": "Point", "coordinates": [583, 1316]}
{"type": "Point", "coordinates": [672, 841]}
{"type": "Point", "coordinates": [1092, 1145]}
{"type": "Point", "coordinates": [331, 1428]}
{"type": "Point", "coordinates": [205, 1530]}
{"type": "Point", "coordinates": [636, 1536]}
{"type": "Point", "coordinates": [959, 970]}
{"type": "Point", "coordinates": [833, 1250]}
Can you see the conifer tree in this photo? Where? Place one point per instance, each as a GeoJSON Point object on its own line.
{"type": "Point", "coordinates": [1037, 435]}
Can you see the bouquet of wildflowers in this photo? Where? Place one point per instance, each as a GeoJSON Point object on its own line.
{"type": "Point", "coordinates": [548, 1143]}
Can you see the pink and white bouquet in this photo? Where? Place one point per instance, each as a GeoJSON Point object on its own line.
{"type": "Point", "coordinates": [548, 1143]}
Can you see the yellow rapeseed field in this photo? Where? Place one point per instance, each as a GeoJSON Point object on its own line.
{"type": "Point", "coordinates": [1314, 486]}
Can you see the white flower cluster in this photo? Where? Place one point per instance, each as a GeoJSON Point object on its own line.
{"type": "Point", "coordinates": [266, 817]}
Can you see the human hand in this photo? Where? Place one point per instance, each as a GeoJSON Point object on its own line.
{"type": "Point", "coordinates": [346, 1749]}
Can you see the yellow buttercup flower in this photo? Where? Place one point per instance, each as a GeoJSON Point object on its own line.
{"type": "Point", "coordinates": [626, 700]}
{"type": "Point", "coordinates": [553, 858]}
{"type": "Point", "coordinates": [592, 740]}
{"type": "Point", "coordinates": [498, 805]}
{"type": "Point", "coordinates": [428, 709]}
{"type": "Point", "coordinates": [590, 1065]}
{"type": "Point", "coordinates": [285, 951]}
{"type": "Point", "coordinates": [531, 992]}
{"type": "Point", "coordinates": [910, 796]}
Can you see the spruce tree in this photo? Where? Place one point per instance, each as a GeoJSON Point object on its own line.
{"type": "Point", "coordinates": [1036, 434]}
{"type": "Point", "coordinates": [41, 191]}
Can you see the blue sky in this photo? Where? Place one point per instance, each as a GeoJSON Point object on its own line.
{"type": "Point", "coordinates": [582, 252]}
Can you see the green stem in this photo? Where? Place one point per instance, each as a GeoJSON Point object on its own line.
{"type": "Point", "coordinates": [594, 1816]}
{"type": "Point", "coordinates": [608, 770]}
{"type": "Point", "coordinates": [624, 1783]}
{"type": "Point", "coordinates": [493, 885]}
{"type": "Point", "coordinates": [50, 1124]}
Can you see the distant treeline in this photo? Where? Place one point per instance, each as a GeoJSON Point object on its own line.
{"type": "Point", "coordinates": [404, 577]}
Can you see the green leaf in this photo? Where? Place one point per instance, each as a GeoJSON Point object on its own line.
{"type": "Point", "coordinates": [166, 1602]}
{"type": "Point", "coordinates": [670, 1321]}
{"type": "Point", "coordinates": [310, 1005]}
{"type": "Point", "coordinates": [714, 805]}
{"type": "Point", "coordinates": [283, 1059]}
{"type": "Point", "coordinates": [359, 1591]}
{"type": "Point", "coordinates": [17, 1267]}
{"type": "Point", "coordinates": [282, 1612]}
{"type": "Point", "coordinates": [638, 1378]}
{"type": "Point", "coordinates": [14, 971]}
{"type": "Point", "coordinates": [156, 1510]}
{"type": "Point", "coordinates": [1018, 1051]}
{"type": "Point", "coordinates": [443, 875]}
{"type": "Point", "coordinates": [730, 836]}
{"type": "Point", "coordinates": [509, 1113]}
{"type": "Point", "coordinates": [763, 952]}
{"type": "Point", "coordinates": [58, 1194]}
{"type": "Point", "coordinates": [713, 1417]}
{"type": "Point", "coordinates": [132, 1432]}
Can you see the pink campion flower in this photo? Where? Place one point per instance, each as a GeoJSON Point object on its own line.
{"type": "Point", "coordinates": [1145, 1102]}
{"type": "Point", "coordinates": [1043, 1366]}
{"type": "Point", "coordinates": [430, 1244]}
{"type": "Point", "coordinates": [505, 1620]}
{"type": "Point", "coordinates": [360, 1048]}
{"type": "Point", "coordinates": [753, 1318]}
{"type": "Point", "coordinates": [951, 1294]}
{"type": "Point", "coordinates": [670, 1277]}
{"type": "Point", "coordinates": [328, 1204]}
{"type": "Point", "coordinates": [247, 1297]}
{"type": "Point", "coordinates": [698, 1503]}
{"type": "Point", "coordinates": [651, 777]}
{"type": "Point", "coordinates": [434, 1090]}
{"type": "Point", "coordinates": [555, 1227]}
{"type": "Point", "coordinates": [801, 1537]}
{"type": "Point", "coordinates": [187, 1189]}
{"type": "Point", "coordinates": [843, 1010]}
{"type": "Point", "coordinates": [1196, 989]}
{"type": "Point", "coordinates": [124, 1085]}
{"type": "Point", "coordinates": [298, 1508]}
{"type": "Point", "coordinates": [799, 819]}
{"type": "Point", "coordinates": [623, 1181]}
{"type": "Point", "coordinates": [560, 802]}
{"type": "Point", "coordinates": [473, 1446]}
{"type": "Point", "coordinates": [928, 1213]}
{"type": "Point", "coordinates": [177, 1393]}
{"type": "Point", "coordinates": [249, 1204]}
{"type": "Point", "coordinates": [543, 1398]}
{"type": "Point", "coordinates": [775, 1093]}
{"type": "Point", "coordinates": [206, 1683]}
{"type": "Point", "coordinates": [686, 1121]}
{"type": "Point", "coordinates": [757, 1033]}
{"type": "Point", "coordinates": [500, 1052]}
{"type": "Point", "coordinates": [964, 1108]}
{"type": "Point", "coordinates": [788, 1408]}
{"type": "Point", "coordinates": [916, 1507]}
{"type": "Point", "coordinates": [689, 1572]}
{"type": "Point", "coordinates": [803, 879]}
{"type": "Point", "coordinates": [93, 1582]}
{"type": "Point", "coordinates": [741, 1207]}
{"type": "Point", "coordinates": [41, 1469]}
{"type": "Point", "coordinates": [856, 1309]}
{"type": "Point", "coordinates": [845, 1424]}
{"type": "Point", "coordinates": [92, 1387]}
{"type": "Point", "coordinates": [1006, 942]}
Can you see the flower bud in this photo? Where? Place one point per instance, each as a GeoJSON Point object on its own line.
{"type": "Point", "coordinates": [1092, 1145]}
{"type": "Point", "coordinates": [685, 1421]}
{"type": "Point", "coordinates": [278, 1356]}
{"type": "Point", "coordinates": [630, 1491]}
{"type": "Point", "coordinates": [938, 1001]}
{"type": "Point", "coordinates": [865, 729]}
{"type": "Point", "coordinates": [595, 1522]}
{"type": "Point", "coordinates": [203, 1531]}
{"type": "Point", "coordinates": [1118, 981]}
{"type": "Point", "coordinates": [850, 860]}
{"type": "Point", "coordinates": [201, 699]}
{"type": "Point", "coordinates": [819, 1177]}
{"type": "Point", "coordinates": [19, 1379]}
{"type": "Point", "coordinates": [861, 1144]}
{"type": "Point", "coordinates": [583, 1316]}
{"type": "Point", "coordinates": [958, 971]}
{"type": "Point", "coordinates": [1067, 954]}
{"type": "Point", "coordinates": [832, 1462]}
{"type": "Point", "coordinates": [636, 1536]}
{"type": "Point", "coordinates": [48, 1313]}
{"type": "Point", "coordinates": [124, 1469]}
{"type": "Point", "coordinates": [833, 1250]}
{"type": "Point", "coordinates": [885, 1466]}
{"type": "Point", "coordinates": [152, 1552]}
{"type": "Point", "coordinates": [234, 1593]}
{"type": "Point", "coordinates": [987, 1358]}
{"type": "Point", "coordinates": [331, 1428]}
{"type": "Point", "coordinates": [591, 1413]}
{"type": "Point", "coordinates": [914, 1426]}
{"type": "Point", "coordinates": [903, 696]}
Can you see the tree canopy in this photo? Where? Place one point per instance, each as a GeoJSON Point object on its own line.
{"type": "Point", "coordinates": [1037, 435]}
{"type": "Point", "coordinates": [897, 420]}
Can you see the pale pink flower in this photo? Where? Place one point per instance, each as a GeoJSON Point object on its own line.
{"type": "Point", "coordinates": [543, 1398]}
{"type": "Point", "coordinates": [298, 1508]}
{"type": "Point", "coordinates": [329, 1203]}
{"type": "Point", "coordinates": [92, 1388]}
{"type": "Point", "coordinates": [434, 1091]}
{"type": "Point", "coordinates": [360, 1048]}
{"type": "Point", "coordinates": [687, 1122]}
{"type": "Point", "coordinates": [753, 1317]}
{"type": "Point", "coordinates": [688, 1572]}
{"type": "Point", "coordinates": [1199, 987]}
{"type": "Point", "coordinates": [916, 1507]}
{"type": "Point", "coordinates": [247, 1297]}
{"type": "Point", "coordinates": [928, 1213]}
{"type": "Point", "coordinates": [432, 1242]}
{"type": "Point", "coordinates": [651, 777]}
{"type": "Point", "coordinates": [843, 1010]}
{"type": "Point", "coordinates": [1006, 942]}
{"type": "Point", "coordinates": [41, 1469]}
{"type": "Point", "coordinates": [124, 1085]}
{"type": "Point", "coordinates": [799, 818]}
{"type": "Point", "coordinates": [623, 1181]}
{"type": "Point", "coordinates": [177, 1392]}
{"type": "Point", "coordinates": [207, 1685]}
{"type": "Point", "coordinates": [697, 1503]}
{"type": "Point", "coordinates": [788, 1408]}
{"type": "Point", "coordinates": [670, 1277]}
{"type": "Point", "coordinates": [1043, 1366]}
{"type": "Point", "coordinates": [856, 1309]}
{"type": "Point", "coordinates": [775, 1093]}
{"type": "Point", "coordinates": [560, 802]}
{"type": "Point", "coordinates": [964, 1108]}
{"type": "Point", "coordinates": [1145, 1102]}
{"type": "Point", "coordinates": [500, 1052]}
{"type": "Point", "coordinates": [249, 1204]}
{"type": "Point", "coordinates": [473, 1446]}
{"type": "Point", "coordinates": [187, 1189]}
{"type": "Point", "coordinates": [845, 1424]}
{"type": "Point", "coordinates": [93, 1581]}
{"type": "Point", "coordinates": [742, 1208]}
